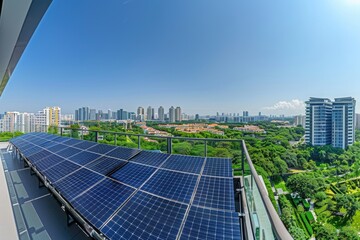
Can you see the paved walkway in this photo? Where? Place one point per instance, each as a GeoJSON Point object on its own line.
{"type": "Point", "coordinates": [37, 213]}
{"type": "Point", "coordinates": [7, 221]}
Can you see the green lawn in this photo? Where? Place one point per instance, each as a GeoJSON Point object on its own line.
{"type": "Point", "coordinates": [281, 185]}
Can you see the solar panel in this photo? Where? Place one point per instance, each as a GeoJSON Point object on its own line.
{"type": "Point", "coordinates": [205, 223]}
{"type": "Point", "coordinates": [47, 144]}
{"type": "Point", "coordinates": [221, 167]}
{"type": "Point", "coordinates": [31, 150]}
{"type": "Point", "coordinates": [72, 142]}
{"type": "Point", "coordinates": [60, 139]}
{"type": "Point", "coordinates": [173, 185]}
{"type": "Point", "coordinates": [60, 170]}
{"type": "Point", "coordinates": [77, 182]}
{"type": "Point", "coordinates": [68, 152]}
{"type": "Point", "coordinates": [101, 148]}
{"type": "Point", "coordinates": [105, 165]}
{"type": "Point", "coordinates": [38, 156]}
{"type": "Point", "coordinates": [84, 157]}
{"type": "Point", "coordinates": [216, 193]}
{"type": "Point", "coordinates": [48, 162]}
{"type": "Point", "coordinates": [85, 145]}
{"type": "Point", "coordinates": [150, 158]}
{"type": "Point", "coordinates": [123, 153]}
{"type": "Point", "coordinates": [184, 163]}
{"type": "Point", "coordinates": [133, 174]}
{"type": "Point", "coordinates": [56, 148]}
{"type": "Point", "coordinates": [101, 201]}
{"type": "Point", "coordinates": [146, 217]}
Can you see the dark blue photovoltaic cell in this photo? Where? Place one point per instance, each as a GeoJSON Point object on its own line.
{"type": "Point", "coordinates": [133, 174]}
{"type": "Point", "coordinates": [72, 142]}
{"type": "Point", "coordinates": [204, 223]}
{"type": "Point", "coordinates": [146, 217]}
{"type": "Point", "coordinates": [68, 152]}
{"type": "Point", "coordinates": [38, 156]}
{"type": "Point", "coordinates": [101, 201]}
{"type": "Point", "coordinates": [216, 193]}
{"type": "Point", "coordinates": [85, 145]}
{"type": "Point", "coordinates": [221, 167]}
{"type": "Point", "coordinates": [105, 165]}
{"type": "Point", "coordinates": [60, 139]}
{"type": "Point", "coordinates": [173, 185]}
{"type": "Point", "coordinates": [56, 148]}
{"type": "Point", "coordinates": [84, 157]}
{"type": "Point", "coordinates": [123, 153]}
{"type": "Point", "coordinates": [48, 162]}
{"type": "Point", "coordinates": [101, 148]}
{"type": "Point", "coordinates": [32, 150]}
{"type": "Point", "coordinates": [76, 183]}
{"type": "Point", "coordinates": [47, 144]}
{"type": "Point", "coordinates": [60, 170]}
{"type": "Point", "coordinates": [184, 163]}
{"type": "Point", "coordinates": [150, 158]}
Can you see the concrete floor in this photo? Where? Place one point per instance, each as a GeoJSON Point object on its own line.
{"type": "Point", "coordinates": [37, 213]}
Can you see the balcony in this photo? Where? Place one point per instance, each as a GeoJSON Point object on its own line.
{"type": "Point", "coordinates": [256, 214]}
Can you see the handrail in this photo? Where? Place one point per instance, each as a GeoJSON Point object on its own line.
{"type": "Point", "coordinates": [279, 229]}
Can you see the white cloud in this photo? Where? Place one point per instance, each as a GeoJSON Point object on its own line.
{"type": "Point", "coordinates": [294, 105]}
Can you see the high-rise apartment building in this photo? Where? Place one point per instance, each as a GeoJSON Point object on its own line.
{"type": "Point", "coordinates": [343, 122]}
{"type": "Point", "coordinates": [141, 114]}
{"type": "Point", "coordinates": [149, 113]}
{"type": "Point", "coordinates": [178, 114]}
{"type": "Point", "coordinates": [171, 114]}
{"type": "Point", "coordinates": [330, 122]}
{"type": "Point", "coordinates": [318, 121]}
{"type": "Point", "coordinates": [52, 116]}
{"type": "Point", "coordinates": [161, 115]}
{"type": "Point", "coordinates": [92, 114]}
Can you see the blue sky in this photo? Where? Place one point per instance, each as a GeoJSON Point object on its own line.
{"type": "Point", "coordinates": [206, 56]}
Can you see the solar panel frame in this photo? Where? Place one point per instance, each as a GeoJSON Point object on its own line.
{"type": "Point", "coordinates": [101, 148]}
{"type": "Point", "coordinates": [38, 156]}
{"type": "Point", "coordinates": [48, 162]}
{"type": "Point", "coordinates": [56, 148]}
{"type": "Point", "coordinates": [85, 145]}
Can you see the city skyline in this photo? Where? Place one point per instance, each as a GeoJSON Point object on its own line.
{"type": "Point", "coordinates": [209, 59]}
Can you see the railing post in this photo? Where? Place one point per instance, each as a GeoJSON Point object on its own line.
{"type": "Point", "coordinates": [115, 139]}
{"type": "Point", "coordinates": [61, 131]}
{"type": "Point", "coordinates": [96, 136]}
{"type": "Point", "coordinates": [242, 158]}
{"type": "Point", "coordinates": [139, 143]}
{"type": "Point", "coordinates": [169, 145]}
{"type": "Point", "coordinates": [205, 142]}
{"type": "Point", "coordinates": [82, 134]}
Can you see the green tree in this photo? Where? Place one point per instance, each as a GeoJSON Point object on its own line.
{"type": "Point", "coordinates": [325, 232]}
{"type": "Point", "coordinates": [297, 233]}
{"type": "Point", "coordinates": [320, 196]}
{"type": "Point", "coordinates": [305, 184]}
{"type": "Point", "coordinates": [348, 233]}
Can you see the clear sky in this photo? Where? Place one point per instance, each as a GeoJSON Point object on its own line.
{"type": "Point", "coordinates": [206, 56]}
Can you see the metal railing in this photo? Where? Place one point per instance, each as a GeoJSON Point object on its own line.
{"type": "Point", "coordinates": [256, 211]}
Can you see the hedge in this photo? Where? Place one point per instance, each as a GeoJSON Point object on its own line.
{"type": "Point", "coordinates": [309, 216]}
{"type": "Point", "coordinates": [306, 204]}
{"type": "Point", "coordinates": [307, 224]}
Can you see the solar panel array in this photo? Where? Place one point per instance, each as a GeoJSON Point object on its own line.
{"type": "Point", "coordinates": [131, 194]}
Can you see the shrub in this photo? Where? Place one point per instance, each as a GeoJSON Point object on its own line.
{"type": "Point", "coordinates": [309, 216]}
{"type": "Point", "coordinates": [307, 224]}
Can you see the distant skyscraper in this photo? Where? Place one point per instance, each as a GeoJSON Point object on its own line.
{"type": "Point", "coordinates": [149, 113]}
{"type": "Point", "coordinates": [92, 114]}
{"type": "Point", "coordinates": [343, 122]}
{"type": "Point", "coordinates": [178, 114]}
{"type": "Point", "coordinates": [140, 114]}
{"type": "Point", "coordinates": [318, 121]}
{"type": "Point", "coordinates": [300, 120]}
{"type": "Point", "coordinates": [245, 113]}
{"type": "Point", "coordinates": [152, 113]}
{"type": "Point", "coordinates": [52, 116]}
{"type": "Point", "coordinates": [171, 114]}
{"type": "Point", "coordinates": [161, 115]}
{"type": "Point", "coordinates": [197, 117]}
